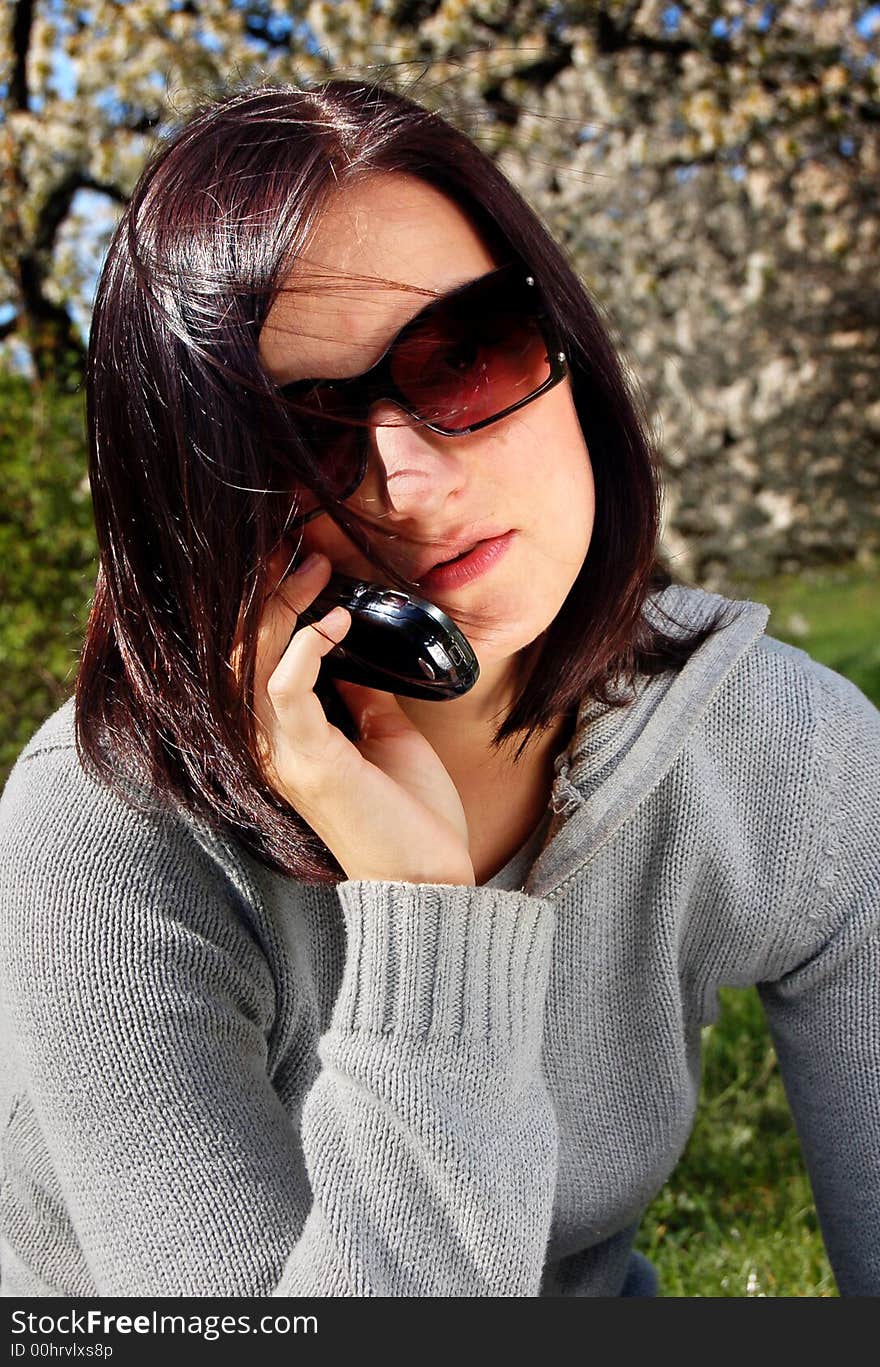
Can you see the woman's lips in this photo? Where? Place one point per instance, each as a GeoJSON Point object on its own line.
{"type": "Point", "coordinates": [458, 572]}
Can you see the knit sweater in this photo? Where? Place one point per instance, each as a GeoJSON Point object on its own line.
{"type": "Point", "coordinates": [218, 1081]}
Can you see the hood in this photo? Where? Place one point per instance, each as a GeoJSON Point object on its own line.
{"type": "Point", "coordinates": [616, 756]}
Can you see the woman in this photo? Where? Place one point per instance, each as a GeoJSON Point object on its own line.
{"type": "Point", "coordinates": [316, 989]}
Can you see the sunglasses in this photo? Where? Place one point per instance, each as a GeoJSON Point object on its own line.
{"type": "Point", "coordinates": [466, 360]}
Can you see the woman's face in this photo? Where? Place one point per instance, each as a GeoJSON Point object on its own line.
{"type": "Point", "coordinates": [528, 474]}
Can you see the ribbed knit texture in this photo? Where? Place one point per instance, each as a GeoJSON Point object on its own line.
{"type": "Point", "coordinates": [217, 1081]}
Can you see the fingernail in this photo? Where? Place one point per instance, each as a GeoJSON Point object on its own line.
{"type": "Point", "coordinates": [310, 562]}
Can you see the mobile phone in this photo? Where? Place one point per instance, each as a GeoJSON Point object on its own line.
{"type": "Point", "coordinates": [396, 642]}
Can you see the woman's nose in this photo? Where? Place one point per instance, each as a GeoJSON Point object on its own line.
{"type": "Point", "coordinates": [410, 469]}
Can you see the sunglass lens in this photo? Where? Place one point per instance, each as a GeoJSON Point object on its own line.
{"type": "Point", "coordinates": [337, 447]}
{"type": "Point", "coordinates": [469, 361]}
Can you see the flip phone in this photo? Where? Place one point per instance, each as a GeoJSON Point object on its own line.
{"type": "Point", "coordinates": [396, 642]}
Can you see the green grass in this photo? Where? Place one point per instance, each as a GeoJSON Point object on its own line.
{"type": "Point", "coordinates": [737, 1216]}
{"type": "Point", "coordinates": [834, 615]}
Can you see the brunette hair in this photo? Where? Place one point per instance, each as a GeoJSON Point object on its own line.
{"type": "Point", "coordinates": [193, 453]}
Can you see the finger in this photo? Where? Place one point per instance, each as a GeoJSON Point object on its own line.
{"type": "Point", "coordinates": [279, 565]}
{"type": "Point", "coordinates": [280, 612]}
{"type": "Point", "coordinates": [297, 670]}
{"type": "Point", "coordinates": [291, 713]}
{"type": "Point", "coordinates": [375, 712]}
{"type": "Point", "coordinates": [287, 594]}
{"type": "Point", "coordinates": [296, 585]}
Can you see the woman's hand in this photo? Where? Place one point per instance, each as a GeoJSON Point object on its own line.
{"type": "Point", "coordinates": [385, 805]}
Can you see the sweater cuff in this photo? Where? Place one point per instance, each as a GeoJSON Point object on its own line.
{"type": "Point", "coordinates": [432, 960]}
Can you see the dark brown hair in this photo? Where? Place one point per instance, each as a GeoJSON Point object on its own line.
{"type": "Point", "coordinates": [193, 453]}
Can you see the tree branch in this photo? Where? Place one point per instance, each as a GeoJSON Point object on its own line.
{"type": "Point", "coordinates": [21, 41]}
{"type": "Point", "coordinates": [57, 206]}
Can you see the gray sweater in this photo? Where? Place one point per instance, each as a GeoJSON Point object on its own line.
{"type": "Point", "coordinates": [217, 1081]}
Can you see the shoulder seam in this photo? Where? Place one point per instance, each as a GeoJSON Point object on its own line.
{"type": "Point", "coordinates": [819, 880]}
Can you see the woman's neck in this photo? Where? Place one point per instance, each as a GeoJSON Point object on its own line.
{"type": "Point", "coordinates": [461, 731]}
{"type": "Point", "coordinates": [503, 797]}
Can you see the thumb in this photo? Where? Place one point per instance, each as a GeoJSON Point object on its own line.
{"type": "Point", "coordinates": [376, 713]}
